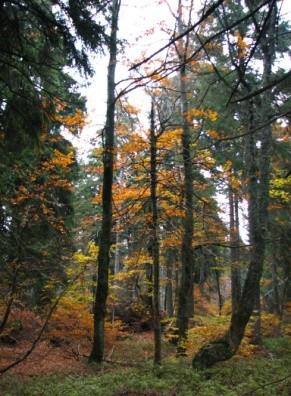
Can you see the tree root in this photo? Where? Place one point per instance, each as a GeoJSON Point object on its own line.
{"type": "Point", "coordinates": [216, 351]}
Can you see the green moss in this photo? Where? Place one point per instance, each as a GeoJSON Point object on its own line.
{"type": "Point", "coordinates": [280, 346]}
{"type": "Point", "coordinates": [259, 376]}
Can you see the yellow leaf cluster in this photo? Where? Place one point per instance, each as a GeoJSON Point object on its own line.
{"type": "Point", "coordinates": [130, 109]}
{"type": "Point", "coordinates": [205, 158]}
{"type": "Point", "coordinates": [56, 181]}
{"type": "Point", "coordinates": [201, 113]}
{"type": "Point", "coordinates": [171, 241]}
{"type": "Point", "coordinates": [137, 260]}
{"type": "Point", "coordinates": [62, 160]}
{"type": "Point", "coordinates": [134, 145]}
{"type": "Point", "coordinates": [126, 275]}
{"type": "Point", "coordinates": [280, 188]}
{"type": "Point", "coordinates": [242, 45]}
{"type": "Point", "coordinates": [170, 139]}
{"type": "Point", "coordinates": [132, 193]}
{"type": "Point", "coordinates": [73, 122]}
{"type": "Point", "coordinates": [213, 134]}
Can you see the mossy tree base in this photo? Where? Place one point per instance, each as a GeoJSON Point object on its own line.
{"type": "Point", "coordinates": [214, 352]}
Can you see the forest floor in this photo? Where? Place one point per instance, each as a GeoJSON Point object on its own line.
{"type": "Point", "coordinates": [59, 364]}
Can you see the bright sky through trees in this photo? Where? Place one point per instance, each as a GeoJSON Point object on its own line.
{"type": "Point", "coordinates": [144, 28]}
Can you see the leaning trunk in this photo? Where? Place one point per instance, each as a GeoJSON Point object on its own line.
{"type": "Point", "coordinates": [258, 167]}
{"type": "Point", "coordinates": [226, 347]}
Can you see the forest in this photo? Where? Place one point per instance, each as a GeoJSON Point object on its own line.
{"type": "Point", "coordinates": [147, 253]}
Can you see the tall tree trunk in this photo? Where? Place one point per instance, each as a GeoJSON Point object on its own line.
{"type": "Point", "coordinates": [155, 240]}
{"type": "Point", "coordinates": [101, 293]}
{"type": "Point", "coordinates": [187, 256]}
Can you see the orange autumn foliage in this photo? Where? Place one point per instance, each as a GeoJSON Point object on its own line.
{"type": "Point", "coordinates": [73, 320]}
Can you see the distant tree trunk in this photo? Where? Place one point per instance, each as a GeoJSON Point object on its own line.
{"type": "Point", "coordinates": [234, 256]}
{"type": "Point", "coordinates": [149, 285]}
{"type": "Point", "coordinates": [275, 286]}
{"type": "Point", "coordinates": [177, 288]}
{"type": "Point", "coordinates": [191, 300]}
{"type": "Point", "coordinates": [155, 240]}
{"type": "Point", "coordinates": [187, 256]}
{"type": "Point", "coordinates": [168, 304]}
{"type": "Point", "coordinates": [116, 265]}
{"type": "Point", "coordinates": [255, 319]}
{"type": "Point", "coordinates": [101, 293]}
{"type": "Point", "coordinates": [219, 294]}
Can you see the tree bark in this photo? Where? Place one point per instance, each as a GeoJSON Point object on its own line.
{"type": "Point", "coordinates": [101, 293]}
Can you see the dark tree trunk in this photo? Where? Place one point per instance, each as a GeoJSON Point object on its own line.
{"type": "Point", "coordinates": [187, 256]}
{"type": "Point", "coordinates": [155, 240]}
{"type": "Point", "coordinates": [101, 293]}
{"type": "Point", "coordinates": [186, 250]}
{"type": "Point", "coordinates": [219, 294]}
